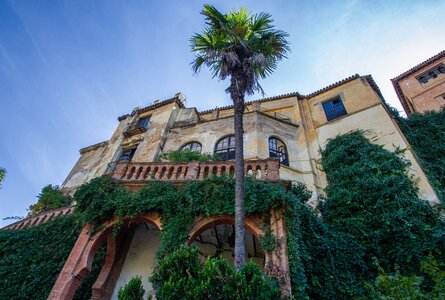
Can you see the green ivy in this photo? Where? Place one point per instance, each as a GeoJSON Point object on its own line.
{"type": "Point", "coordinates": [186, 155]}
{"type": "Point", "coordinates": [371, 211]}
{"type": "Point", "coordinates": [31, 259]}
{"type": "Point", "coordinates": [426, 134]}
{"type": "Point", "coordinates": [396, 286]}
{"type": "Point", "coordinates": [371, 199]}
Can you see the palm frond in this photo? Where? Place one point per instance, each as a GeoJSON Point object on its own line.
{"type": "Point", "coordinates": [262, 22]}
{"type": "Point", "coordinates": [214, 18]}
{"type": "Point", "coordinates": [239, 43]}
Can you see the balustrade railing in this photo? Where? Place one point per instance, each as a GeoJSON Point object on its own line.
{"type": "Point", "coordinates": [175, 172]}
{"type": "Point", "coordinates": [40, 218]}
{"type": "Point", "coordinates": [165, 171]}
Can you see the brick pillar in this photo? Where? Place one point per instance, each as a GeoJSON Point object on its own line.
{"type": "Point", "coordinates": [68, 282]}
{"type": "Point", "coordinates": [277, 262]}
{"type": "Point", "coordinates": [99, 285]}
{"type": "Point", "coordinates": [78, 264]}
{"type": "Point", "coordinates": [121, 169]}
{"type": "Point", "coordinates": [273, 166]}
{"type": "Point", "coordinates": [215, 114]}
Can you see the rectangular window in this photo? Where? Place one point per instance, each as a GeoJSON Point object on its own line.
{"type": "Point", "coordinates": [334, 109]}
{"type": "Point", "coordinates": [127, 155]}
{"type": "Point", "coordinates": [431, 74]}
{"type": "Point", "coordinates": [143, 123]}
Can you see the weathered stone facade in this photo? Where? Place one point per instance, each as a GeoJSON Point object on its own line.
{"type": "Point", "coordinates": [422, 88]}
{"type": "Point", "coordinates": [301, 124]}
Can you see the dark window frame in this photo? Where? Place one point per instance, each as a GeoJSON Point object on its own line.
{"type": "Point", "coordinates": [225, 147]}
{"type": "Point", "coordinates": [143, 122]}
{"type": "Point", "coordinates": [192, 145]}
{"type": "Point", "coordinates": [278, 151]}
{"type": "Point", "coordinates": [334, 108]}
{"type": "Point", "coordinates": [432, 73]}
{"type": "Point", "coordinates": [127, 155]}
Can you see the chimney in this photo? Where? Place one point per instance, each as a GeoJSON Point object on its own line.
{"type": "Point", "coordinates": [157, 101]}
{"type": "Point", "coordinates": [215, 114]}
{"type": "Point", "coordinates": [179, 96]}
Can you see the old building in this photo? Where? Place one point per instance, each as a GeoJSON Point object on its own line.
{"type": "Point", "coordinates": [283, 136]}
{"type": "Point", "coordinates": [422, 88]}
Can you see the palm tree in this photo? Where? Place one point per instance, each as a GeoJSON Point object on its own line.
{"type": "Point", "coordinates": [244, 48]}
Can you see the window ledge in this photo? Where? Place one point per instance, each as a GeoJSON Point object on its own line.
{"type": "Point", "coordinates": [134, 131]}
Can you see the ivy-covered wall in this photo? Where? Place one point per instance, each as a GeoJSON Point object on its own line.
{"type": "Point", "coordinates": [31, 259]}
{"type": "Point", "coordinates": [371, 199]}
{"type": "Point", "coordinates": [426, 134]}
{"type": "Point", "coordinates": [370, 219]}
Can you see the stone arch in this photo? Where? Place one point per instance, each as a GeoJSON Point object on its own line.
{"type": "Point", "coordinates": [216, 225]}
{"type": "Point", "coordinates": [80, 260]}
{"type": "Point", "coordinates": [206, 223]}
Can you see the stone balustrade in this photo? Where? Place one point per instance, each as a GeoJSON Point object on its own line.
{"type": "Point", "coordinates": [176, 172]}
{"type": "Point", "coordinates": [140, 172]}
{"type": "Point", "coordinates": [41, 218]}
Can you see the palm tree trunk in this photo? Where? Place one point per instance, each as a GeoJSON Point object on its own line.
{"type": "Point", "coordinates": [240, 249]}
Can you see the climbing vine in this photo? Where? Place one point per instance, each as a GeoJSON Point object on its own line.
{"type": "Point", "coordinates": [371, 199]}
{"type": "Point", "coordinates": [426, 134]}
{"type": "Point", "coordinates": [320, 261]}
{"type": "Point", "coordinates": [371, 216]}
{"type": "Point", "coordinates": [31, 259]}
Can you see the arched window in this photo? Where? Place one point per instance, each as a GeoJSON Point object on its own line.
{"type": "Point", "coordinates": [278, 149]}
{"type": "Point", "coordinates": [225, 148]}
{"type": "Point", "coordinates": [193, 146]}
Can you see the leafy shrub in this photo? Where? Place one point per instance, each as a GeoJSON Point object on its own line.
{"type": "Point", "coordinates": [186, 155]}
{"type": "Point", "coordinates": [49, 198]}
{"type": "Point", "coordinates": [397, 286]}
{"type": "Point", "coordinates": [181, 275]}
{"type": "Point", "coordinates": [133, 290]}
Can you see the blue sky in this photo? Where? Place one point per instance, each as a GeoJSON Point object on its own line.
{"type": "Point", "coordinates": [68, 69]}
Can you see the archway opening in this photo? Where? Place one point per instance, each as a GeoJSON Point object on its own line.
{"type": "Point", "coordinates": [218, 240]}
{"type": "Point", "coordinates": [140, 257]}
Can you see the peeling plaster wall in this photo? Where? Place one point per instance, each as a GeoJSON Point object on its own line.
{"type": "Point", "coordinates": [94, 160]}
{"type": "Point", "coordinates": [172, 126]}
{"type": "Point", "coordinates": [365, 112]}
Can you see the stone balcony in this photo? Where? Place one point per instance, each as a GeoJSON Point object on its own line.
{"type": "Point", "coordinates": [131, 173]}
{"type": "Point", "coordinates": [135, 175]}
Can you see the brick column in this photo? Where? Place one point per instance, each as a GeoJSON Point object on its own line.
{"type": "Point", "coordinates": [277, 262]}
{"type": "Point", "coordinates": [121, 169]}
{"type": "Point", "coordinates": [273, 166]}
{"type": "Point", "coordinates": [68, 282]}
{"type": "Point", "coordinates": [99, 285]}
